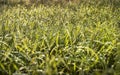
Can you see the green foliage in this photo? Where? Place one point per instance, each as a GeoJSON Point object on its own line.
{"type": "Point", "coordinates": [62, 2]}
{"type": "Point", "coordinates": [54, 40]}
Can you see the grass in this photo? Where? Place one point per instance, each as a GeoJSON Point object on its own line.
{"type": "Point", "coordinates": [54, 40]}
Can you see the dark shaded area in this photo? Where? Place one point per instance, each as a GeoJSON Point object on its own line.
{"type": "Point", "coordinates": [114, 3]}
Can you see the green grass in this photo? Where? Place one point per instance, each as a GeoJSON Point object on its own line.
{"type": "Point", "coordinates": [54, 40]}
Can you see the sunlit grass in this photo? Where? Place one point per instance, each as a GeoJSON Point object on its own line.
{"type": "Point", "coordinates": [54, 40]}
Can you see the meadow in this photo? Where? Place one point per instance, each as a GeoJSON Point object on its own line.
{"type": "Point", "coordinates": [72, 39]}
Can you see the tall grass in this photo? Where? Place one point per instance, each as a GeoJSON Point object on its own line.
{"type": "Point", "coordinates": [62, 2]}
{"type": "Point", "coordinates": [52, 40]}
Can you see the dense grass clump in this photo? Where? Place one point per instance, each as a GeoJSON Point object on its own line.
{"type": "Point", "coordinates": [53, 40]}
